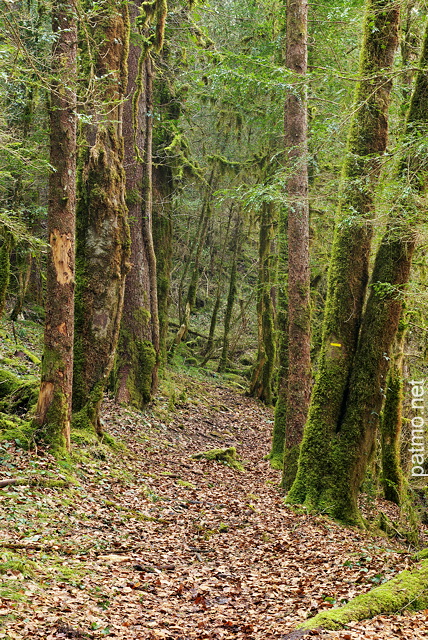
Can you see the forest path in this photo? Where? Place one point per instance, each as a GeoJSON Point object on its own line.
{"type": "Point", "coordinates": [154, 544]}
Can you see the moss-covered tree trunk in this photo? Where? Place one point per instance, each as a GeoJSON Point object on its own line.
{"type": "Point", "coordinates": [261, 385]}
{"type": "Point", "coordinates": [162, 239]}
{"type": "Point", "coordinates": [231, 296]}
{"type": "Point", "coordinates": [5, 249]}
{"type": "Point", "coordinates": [391, 422]}
{"type": "Point", "coordinates": [138, 353]}
{"type": "Point", "coordinates": [53, 413]}
{"type": "Point", "coordinates": [356, 433]}
{"type": "Point", "coordinates": [299, 378]}
{"type": "Point", "coordinates": [102, 224]}
{"type": "Point", "coordinates": [353, 442]}
{"type": "Point", "coordinates": [276, 455]}
{"type": "Point", "coordinates": [348, 273]}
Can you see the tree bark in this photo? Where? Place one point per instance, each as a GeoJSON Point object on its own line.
{"type": "Point", "coordinates": [4, 269]}
{"type": "Point", "coordinates": [138, 353]}
{"type": "Point", "coordinates": [353, 443]}
{"type": "Point", "coordinates": [224, 358]}
{"type": "Point", "coordinates": [262, 378]}
{"type": "Point", "coordinates": [299, 379]}
{"type": "Point", "coordinates": [53, 412]}
{"type": "Point", "coordinates": [102, 226]}
{"type": "Point", "coordinates": [348, 273]}
{"type": "Point", "coordinates": [391, 422]}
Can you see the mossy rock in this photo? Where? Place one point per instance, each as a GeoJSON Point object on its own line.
{"type": "Point", "coordinates": [225, 456]}
{"type": "Point", "coordinates": [17, 394]}
{"type": "Point", "coordinates": [14, 429]}
{"type": "Point", "coordinates": [406, 591]}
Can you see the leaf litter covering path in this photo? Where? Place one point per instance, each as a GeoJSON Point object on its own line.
{"type": "Point", "coordinates": [153, 544]}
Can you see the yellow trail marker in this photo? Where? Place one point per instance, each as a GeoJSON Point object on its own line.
{"type": "Point", "coordinates": [335, 344]}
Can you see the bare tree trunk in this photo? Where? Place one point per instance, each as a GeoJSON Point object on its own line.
{"type": "Point", "coordinates": [53, 413]}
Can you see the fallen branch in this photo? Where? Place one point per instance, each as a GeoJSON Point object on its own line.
{"type": "Point", "coordinates": [408, 590]}
{"type": "Point", "coordinates": [35, 482]}
{"type": "Point", "coordinates": [8, 481]}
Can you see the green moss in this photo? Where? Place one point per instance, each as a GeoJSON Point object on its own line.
{"type": "Point", "coordinates": [291, 457]}
{"type": "Point", "coordinates": [226, 456]}
{"type": "Point", "coordinates": [14, 429]}
{"type": "Point", "coordinates": [185, 484]}
{"type": "Point", "coordinates": [276, 462]}
{"type": "Point", "coordinates": [276, 455]}
{"type": "Point", "coordinates": [406, 591]}
{"type": "Point", "coordinates": [13, 562]}
{"type": "Point", "coordinates": [4, 273]}
{"type": "Point", "coordinates": [17, 393]}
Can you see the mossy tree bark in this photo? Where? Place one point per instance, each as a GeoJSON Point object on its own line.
{"type": "Point", "coordinates": [224, 357]}
{"type": "Point", "coordinates": [299, 379]}
{"type": "Point", "coordinates": [169, 166]}
{"type": "Point", "coordinates": [384, 306]}
{"type": "Point", "coordinates": [391, 422]}
{"type": "Point", "coordinates": [209, 347]}
{"type": "Point", "coordinates": [276, 455]}
{"type": "Point", "coordinates": [5, 249]}
{"type": "Point", "coordinates": [261, 385]}
{"type": "Point", "coordinates": [53, 413]}
{"type": "Point", "coordinates": [353, 443]}
{"type": "Point", "coordinates": [318, 469]}
{"type": "Point", "coordinates": [102, 224]}
{"type": "Point", "coordinates": [138, 354]}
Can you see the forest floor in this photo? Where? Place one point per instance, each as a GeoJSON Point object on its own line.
{"type": "Point", "coordinates": [146, 542]}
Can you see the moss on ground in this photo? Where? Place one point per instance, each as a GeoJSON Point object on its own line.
{"type": "Point", "coordinates": [226, 456]}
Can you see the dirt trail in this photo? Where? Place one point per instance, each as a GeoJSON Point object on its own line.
{"type": "Point", "coordinates": [154, 544]}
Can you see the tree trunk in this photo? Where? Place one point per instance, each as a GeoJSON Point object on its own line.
{"type": "Point", "coordinates": [262, 378]}
{"type": "Point", "coordinates": [276, 455]}
{"type": "Point", "coordinates": [53, 413]}
{"type": "Point", "coordinates": [102, 225]}
{"type": "Point", "coordinates": [217, 302]}
{"type": "Point", "coordinates": [138, 353]}
{"type": "Point", "coordinates": [4, 269]}
{"type": "Point", "coordinates": [24, 273]}
{"type": "Point", "coordinates": [391, 422]}
{"type": "Point", "coordinates": [224, 358]}
{"type": "Point", "coordinates": [299, 377]}
{"type": "Point", "coordinates": [348, 273]}
{"type": "Point", "coordinates": [162, 240]}
{"type": "Point", "coordinates": [353, 443]}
